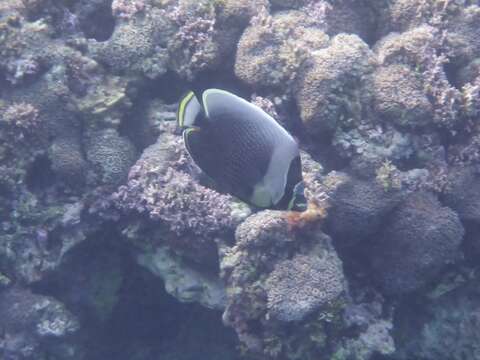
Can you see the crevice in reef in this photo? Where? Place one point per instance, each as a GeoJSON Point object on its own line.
{"type": "Point", "coordinates": [4, 84]}
{"type": "Point", "coordinates": [93, 17]}
{"type": "Point", "coordinates": [40, 175]}
{"type": "Point", "coordinates": [451, 72]}
{"type": "Point", "coordinates": [125, 311]}
{"type": "Point", "coordinates": [99, 25]}
{"type": "Point", "coordinates": [221, 79]}
{"type": "Point", "coordinates": [170, 87]}
{"type": "Point", "coordinates": [155, 100]}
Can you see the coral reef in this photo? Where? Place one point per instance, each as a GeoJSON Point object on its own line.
{"type": "Point", "coordinates": [329, 89]}
{"type": "Point", "coordinates": [358, 208]}
{"type": "Point", "coordinates": [112, 154]}
{"type": "Point", "coordinates": [447, 326]}
{"type": "Point", "coordinates": [271, 51]}
{"type": "Point", "coordinates": [137, 45]}
{"type": "Point", "coordinates": [420, 238]}
{"type": "Point", "coordinates": [258, 301]}
{"type": "Point", "coordinates": [162, 185]}
{"type": "Point", "coordinates": [104, 213]}
{"type": "Point", "coordinates": [297, 287]}
{"type": "Point", "coordinates": [30, 322]}
{"type": "Point", "coordinates": [398, 96]}
{"type": "Point", "coordinates": [183, 282]}
{"type": "Point", "coordinates": [67, 160]}
{"type": "Point", "coordinates": [461, 194]}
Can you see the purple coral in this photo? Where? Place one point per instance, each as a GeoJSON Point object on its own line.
{"type": "Point", "coordinates": [22, 118]}
{"type": "Point", "coordinates": [444, 97]}
{"type": "Point", "coordinates": [194, 38]}
{"type": "Point", "coordinates": [160, 185]}
{"type": "Point", "coordinates": [21, 68]}
{"type": "Point", "coordinates": [471, 98]}
{"type": "Point", "coordinates": [265, 104]}
{"type": "Point", "coordinates": [126, 9]}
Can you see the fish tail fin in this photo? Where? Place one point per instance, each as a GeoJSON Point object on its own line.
{"type": "Point", "coordinates": [189, 111]}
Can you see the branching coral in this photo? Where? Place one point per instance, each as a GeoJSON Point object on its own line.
{"type": "Point", "coordinates": [125, 9]}
{"type": "Point", "coordinates": [157, 185]}
{"type": "Point", "coordinates": [23, 117]}
{"type": "Point", "coordinates": [162, 186]}
{"type": "Point", "coordinates": [425, 50]}
{"type": "Point", "coordinates": [50, 97]}
{"type": "Point", "coordinates": [442, 94]}
{"type": "Point", "coordinates": [193, 45]}
{"type": "Point", "coordinates": [388, 176]}
{"type": "Point", "coordinates": [471, 98]}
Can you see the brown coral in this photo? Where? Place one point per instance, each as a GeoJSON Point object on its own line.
{"type": "Point", "coordinates": [303, 284]}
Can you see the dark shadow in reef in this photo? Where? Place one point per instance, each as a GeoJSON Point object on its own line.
{"type": "Point", "coordinates": [471, 243]}
{"type": "Point", "coordinates": [125, 311]}
{"type": "Point", "coordinates": [221, 79]}
{"type": "Point", "coordinates": [451, 72]}
{"type": "Point", "coordinates": [40, 175]}
{"type": "Point", "coordinates": [99, 25]}
{"type": "Point", "coordinates": [93, 18]}
{"type": "Point", "coordinates": [169, 89]}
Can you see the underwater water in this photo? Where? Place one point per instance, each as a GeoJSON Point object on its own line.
{"type": "Point", "coordinates": [239, 179]}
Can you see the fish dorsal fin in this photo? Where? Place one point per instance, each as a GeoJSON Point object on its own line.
{"type": "Point", "coordinates": [189, 111]}
{"type": "Point", "coordinates": [213, 99]}
{"type": "Point", "coordinates": [217, 103]}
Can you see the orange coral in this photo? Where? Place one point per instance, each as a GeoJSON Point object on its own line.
{"type": "Point", "coordinates": [309, 218]}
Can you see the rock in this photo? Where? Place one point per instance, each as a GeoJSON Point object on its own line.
{"type": "Point", "coordinates": [31, 324]}
{"type": "Point", "coordinates": [183, 282]}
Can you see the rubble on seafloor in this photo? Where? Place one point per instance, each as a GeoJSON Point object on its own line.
{"type": "Point", "coordinates": [113, 243]}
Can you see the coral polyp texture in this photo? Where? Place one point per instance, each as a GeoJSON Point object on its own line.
{"type": "Point", "coordinates": [115, 245]}
{"type": "Point", "coordinates": [296, 287]}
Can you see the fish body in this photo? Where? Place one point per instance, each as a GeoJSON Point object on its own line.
{"type": "Point", "coordinates": [243, 149]}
